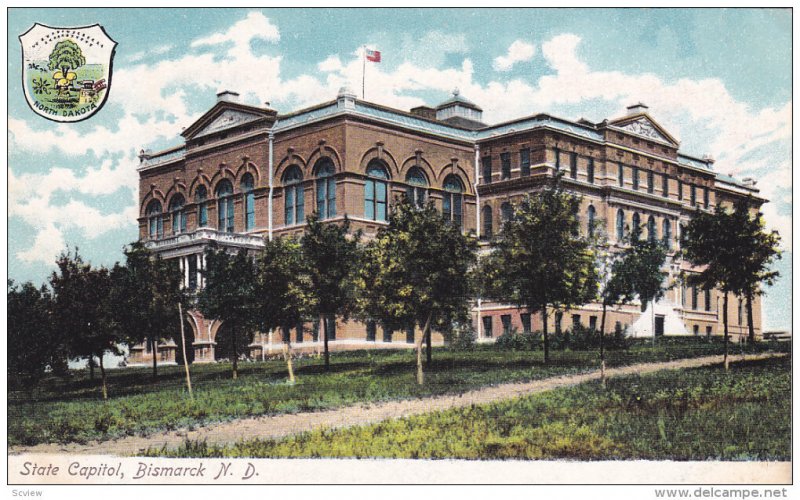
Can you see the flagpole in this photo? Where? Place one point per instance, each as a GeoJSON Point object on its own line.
{"type": "Point", "coordinates": [363, 69]}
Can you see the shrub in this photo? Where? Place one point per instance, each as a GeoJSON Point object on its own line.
{"type": "Point", "coordinates": [461, 338]}
{"type": "Point", "coordinates": [515, 341]}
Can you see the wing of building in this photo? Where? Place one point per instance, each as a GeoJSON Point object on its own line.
{"type": "Point", "coordinates": [244, 173]}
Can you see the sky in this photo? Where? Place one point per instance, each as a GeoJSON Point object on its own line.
{"type": "Point", "coordinates": [719, 80]}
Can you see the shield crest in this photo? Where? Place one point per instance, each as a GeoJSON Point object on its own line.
{"type": "Point", "coordinates": [66, 72]}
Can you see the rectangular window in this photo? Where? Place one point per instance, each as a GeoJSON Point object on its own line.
{"type": "Point", "coordinates": [694, 298]}
{"type": "Point", "coordinates": [410, 334]}
{"type": "Point", "coordinates": [696, 330]}
{"type": "Point", "coordinates": [706, 197]}
{"type": "Point", "coordinates": [621, 175]}
{"type": "Point", "coordinates": [372, 329]}
{"type": "Point", "coordinates": [331, 328]}
{"type": "Point", "coordinates": [288, 206]}
{"type": "Point", "coordinates": [487, 326]}
{"type": "Point", "coordinates": [559, 316]}
{"type": "Point", "coordinates": [525, 162]}
{"type": "Point", "coordinates": [573, 165]}
{"type": "Point", "coordinates": [709, 331]}
{"type": "Point", "coordinates": [192, 272]}
{"type": "Point", "coordinates": [299, 331]}
{"type": "Point", "coordinates": [525, 318]}
{"type": "Point", "coordinates": [590, 171]}
{"type": "Point", "coordinates": [665, 185]}
{"type": "Point", "coordinates": [558, 159]}
{"type": "Point", "coordinates": [487, 169]}
{"type": "Point", "coordinates": [693, 195]}
{"type": "Point", "coordinates": [650, 182]}
{"type": "Point", "coordinates": [387, 334]}
{"type": "Point", "coordinates": [505, 166]}
{"type": "Point", "coordinates": [593, 322]}
{"type": "Point", "coordinates": [576, 321]}
{"type": "Point", "coordinates": [680, 189]}
{"type": "Point", "coordinates": [250, 211]}
{"type": "Point", "coordinates": [635, 175]}
{"type": "Point", "coordinates": [506, 320]}
{"type": "Point", "coordinates": [707, 299]}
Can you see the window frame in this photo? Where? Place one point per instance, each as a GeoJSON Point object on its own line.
{"type": "Point", "coordinates": [376, 191]}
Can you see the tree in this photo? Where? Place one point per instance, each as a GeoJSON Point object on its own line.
{"type": "Point", "coordinates": [541, 260]}
{"type": "Point", "coordinates": [712, 242]}
{"type": "Point", "coordinates": [759, 251]}
{"type": "Point", "coordinates": [624, 275]}
{"type": "Point", "coordinates": [150, 290]}
{"type": "Point", "coordinates": [416, 272]}
{"type": "Point", "coordinates": [333, 258]}
{"type": "Point", "coordinates": [84, 307]}
{"type": "Point", "coordinates": [34, 344]}
{"type": "Point", "coordinates": [230, 295]}
{"type": "Point", "coordinates": [285, 292]}
{"type": "Point", "coordinates": [66, 55]}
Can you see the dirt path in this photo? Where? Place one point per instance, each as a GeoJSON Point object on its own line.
{"type": "Point", "coordinates": [284, 425]}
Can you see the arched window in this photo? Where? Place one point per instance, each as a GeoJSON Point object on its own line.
{"type": "Point", "coordinates": [417, 186]}
{"type": "Point", "coordinates": [506, 212]}
{"type": "Point", "coordinates": [375, 191]}
{"type": "Point", "coordinates": [155, 222]}
{"type": "Point", "coordinates": [294, 201]}
{"type": "Point", "coordinates": [636, 223]}
{"type": "Point", "coordinates": [591, 213]}
{"type": "Point", "coordinates": [202, 209]}
{"type": "Point", "coordinates": [178, 215]}
{"type": "Point", "coordinates": [249, 199]}
{"type": "Point", "coordinates": [651, 229]}
{"type": "Point", "coordinates": [666, 233]}
{"type": "Point", "coordinates": [225, 206]}
{"type": "Point", "coordinates": [326, 189]}
{"type": "Point", "coordinates": [620, 225]}
{"type": "Point", "coordinates": [486, 215]}
{"type": "Point", "coordinates": [453, 199]}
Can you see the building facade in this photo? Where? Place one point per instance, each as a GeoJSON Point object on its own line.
{"type": "Point", "coordinates": [245, 173]}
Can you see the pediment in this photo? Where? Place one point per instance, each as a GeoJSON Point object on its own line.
{"type": "Point", "coordinates": [644, 126]}
{"type": "Point", "coordinates": [225, 116]}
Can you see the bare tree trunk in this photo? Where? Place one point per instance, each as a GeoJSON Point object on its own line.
{"type": "Point", "coordinates": [602, 346]}
{"type": "Point", "coordinates": [544, 332]}
{"type": "Point", "coordinates": [428, 349]}
{"type": "Point", "coordinates": [185, 359]}
{"type": "Point", "coordinates": [725, 323]}
{"type": "Point", "coordinates": [287, 354]}
{"type": "Point", "coordinates": [103, 377]}
{"type": "Point", "coordinates": [153, 346]}
{"type": "Point", "coordinates": [322, 319]}
{"type": "Point", "coordinates": [751, 331]}
{"type": "Point", "coordinates": [91, 367]}
{"type": "Point", "coordinates": [235, 354]}
{"type": "Point", "coordinates": [425, 331]}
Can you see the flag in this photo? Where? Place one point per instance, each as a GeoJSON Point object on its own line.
{"type": "Point", "coordinates": [373, 56]}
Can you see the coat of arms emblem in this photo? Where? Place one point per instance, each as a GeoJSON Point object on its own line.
{"type": "Point", "coordinates": [66, 72]}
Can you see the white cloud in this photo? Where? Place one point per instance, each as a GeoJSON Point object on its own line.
{"type": "Point", "coordinates": [518, 51]}
{"type": "Point", "coordinates": [332, 63]}
{"type": "Point", "coordinates": [254, 27]}
{"type": "Point", "coordinates": [49, 242]}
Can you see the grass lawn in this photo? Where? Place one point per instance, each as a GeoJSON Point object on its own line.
{"type": "Point", "coordinates": [695, 414]}
{"type": "Point", "coordinates": [71, 410]}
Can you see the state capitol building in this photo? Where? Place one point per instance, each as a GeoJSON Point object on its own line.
{"type": "Point", "coordinates": [245, 173]}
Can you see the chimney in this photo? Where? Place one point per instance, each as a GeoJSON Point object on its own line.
{"type": "Point", "coordinates": [227, 96]}
{"type": "Point", "coordinates": [637, 108]}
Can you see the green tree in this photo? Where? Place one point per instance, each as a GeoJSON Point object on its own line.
{"type": "Point", "coordinates": [541, 260]}
{"type": "Point", "coordinates": [34, 343]}
{"type": "Point", "coordinates": [333, 257]}
{"type": "Point", "coordinates": [635, 271]}
{"type": "Point", "coordinates": [149, 291]}
{"type": "Point", "coordinates": [85, 311]}
{"type": "Point", "coordinates": [284, 291]}
{"type": "Point", "coordinates": [417, 272]}
{"type": "Point", "coordinates": [759, 251]}
{"type": "Point", "coordinates": [230, 295]}
{"type": "Point", "coordinates": [66, 55]}
{"type": "Point", "coordinates": [712, 242]}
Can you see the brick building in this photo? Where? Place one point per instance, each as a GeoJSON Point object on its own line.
{"type": "Point", "coordinates": [245, 173]}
